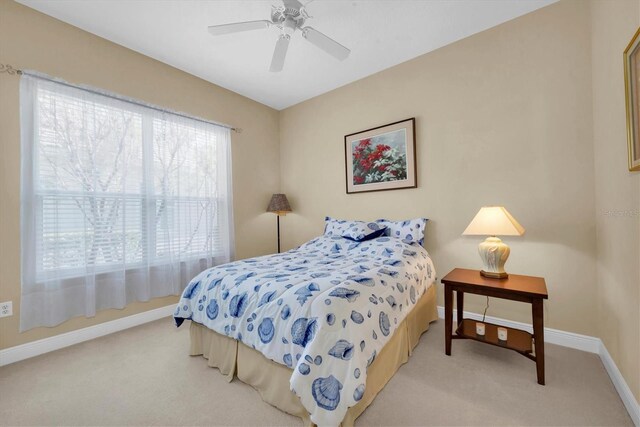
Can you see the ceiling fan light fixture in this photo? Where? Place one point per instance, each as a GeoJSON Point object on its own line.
{"type": "Point", "coordinates": [289, 26]}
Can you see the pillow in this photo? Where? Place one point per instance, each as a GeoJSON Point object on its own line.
{"type": "Point", "coordinates": [337, 227]}
{"type": "Point", "coordinates": [411, 229]}
{"type": "Point", "coordinates": [340, 227]}
{"type": "Point", "coordinates": [361, 232]}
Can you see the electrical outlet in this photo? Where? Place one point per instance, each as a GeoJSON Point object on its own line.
{"type": "Point", "coordinates": [6, 309]}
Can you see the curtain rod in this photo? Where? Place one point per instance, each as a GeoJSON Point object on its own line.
{"type": "Point", "coordinates": [8, 69]}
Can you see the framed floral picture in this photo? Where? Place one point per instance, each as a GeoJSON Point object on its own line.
{"type": "Point", "coordinates": [381, 158]}
{"type": "Point", "coordinates": [632, 95]}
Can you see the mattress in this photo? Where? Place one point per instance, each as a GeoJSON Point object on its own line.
{"type": "Point", "coordinates": [324, 310]}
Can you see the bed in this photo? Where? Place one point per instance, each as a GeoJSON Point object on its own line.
{"type": "Point", "coordinates": [318, 330]}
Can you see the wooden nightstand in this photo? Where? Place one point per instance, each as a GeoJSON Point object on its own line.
{"type": "Point", "coordinates": [517, 288]}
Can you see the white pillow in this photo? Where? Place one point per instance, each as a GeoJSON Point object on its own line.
{"type": "Point", "coordinates": [363, 231]}
{"type": "Point", "coordinates": [337, 227]}
{"type": "Point", "coordinates": [410, 229]}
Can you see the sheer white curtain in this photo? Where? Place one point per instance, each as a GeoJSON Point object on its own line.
{"type": "Point", "coordinates": [120, 202]}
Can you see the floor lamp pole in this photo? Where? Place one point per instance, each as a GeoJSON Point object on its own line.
{"type": "Point", "coordinates": [278, 221]}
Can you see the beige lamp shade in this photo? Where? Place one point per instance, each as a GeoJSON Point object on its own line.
{"type": "Point", "coordinates": [493, 221]}
{"type": "Point", "coordinates": [279, 204]}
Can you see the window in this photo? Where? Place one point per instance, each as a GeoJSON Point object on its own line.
{"type": "Point", "coordinates": [120, 202]}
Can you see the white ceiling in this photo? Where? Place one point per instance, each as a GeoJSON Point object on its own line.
{"type": "Point", "coordinates": [380, 34]}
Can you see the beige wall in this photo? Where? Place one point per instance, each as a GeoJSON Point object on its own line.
{"type": "Point", "coordinates": [503, 117]}
{"type": "Point", "coordinates": [31, 40]}
{"type": "Point", "coordinates": [617, 191]}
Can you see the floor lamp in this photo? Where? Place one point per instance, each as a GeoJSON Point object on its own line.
{"type": "Point", "coordinates": [280, 206]}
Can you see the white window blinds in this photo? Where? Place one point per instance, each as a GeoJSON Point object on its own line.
{"type": "Point", "coordinates": [120, 202]}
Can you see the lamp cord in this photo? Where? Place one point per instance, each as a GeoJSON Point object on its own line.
{"type": "Point", "coordinates": [485, 310]}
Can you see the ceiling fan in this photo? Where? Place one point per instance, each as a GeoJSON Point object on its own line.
{"type": "Point", "coordinates": [288, 17]}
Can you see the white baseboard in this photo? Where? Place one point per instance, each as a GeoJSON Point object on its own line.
{"type": "Point", "coordinates": [552, 336]}
{"type": "Point", "coordinates": [629, 400]}
{"type": "Point", "coordinates": [578, 342]}
{"type": "Point", "coordinates": [36, 348]}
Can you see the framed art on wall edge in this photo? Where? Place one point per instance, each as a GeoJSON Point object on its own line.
{"type": "Point", "coordinates": [632, 96]}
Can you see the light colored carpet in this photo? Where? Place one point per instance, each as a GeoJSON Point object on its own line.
{"type": "Point", "coordinates": [143, 376]}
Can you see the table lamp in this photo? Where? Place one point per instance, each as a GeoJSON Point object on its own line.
{"type": "Point", "coordinates": [493, 221]}
{"type": "Point", "coordinates": [280, 206]}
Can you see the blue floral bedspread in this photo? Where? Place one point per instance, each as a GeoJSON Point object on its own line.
{"type": "Point", "coordinates": [325, 310]}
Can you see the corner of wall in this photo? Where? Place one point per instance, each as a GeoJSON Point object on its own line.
{"type": "Point", "coordinates": [617, 191]}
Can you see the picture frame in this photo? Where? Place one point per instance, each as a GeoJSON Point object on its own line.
{"type": "Point", "coordinates": [632, 98]}
{"type": "Point", "coordinates": [381, 158]}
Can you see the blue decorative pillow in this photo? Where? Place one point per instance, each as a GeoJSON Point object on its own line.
{"type": "Point", "coordinates": [363, 231]}
{"type": "Point", "coordinates": [411, 229]}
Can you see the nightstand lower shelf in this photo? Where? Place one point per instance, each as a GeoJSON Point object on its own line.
{"type": "Point", "coordinates": [517, 339]}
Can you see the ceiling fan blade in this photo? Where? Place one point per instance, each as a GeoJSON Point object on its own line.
{"type": "Point", "coordinates": [219, 30]}
{"type": "Point", "coordinates": [325, 43]}
{"type": "Point", "coordinates": [277, 62]}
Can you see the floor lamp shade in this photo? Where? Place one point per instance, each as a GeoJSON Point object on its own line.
{"type": "Point", "coordinates": [280, 206]}
{"type": "Point", "coordinates": [494, 221]}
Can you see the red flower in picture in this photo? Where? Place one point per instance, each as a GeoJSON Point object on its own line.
{"type": "Point", "coordinates": [373, 163]}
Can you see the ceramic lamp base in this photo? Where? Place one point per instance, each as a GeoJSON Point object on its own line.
{"type": "Point", "coordinates": [494, 254]}
{"type": "Point", "coordinates": [494, 275]}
